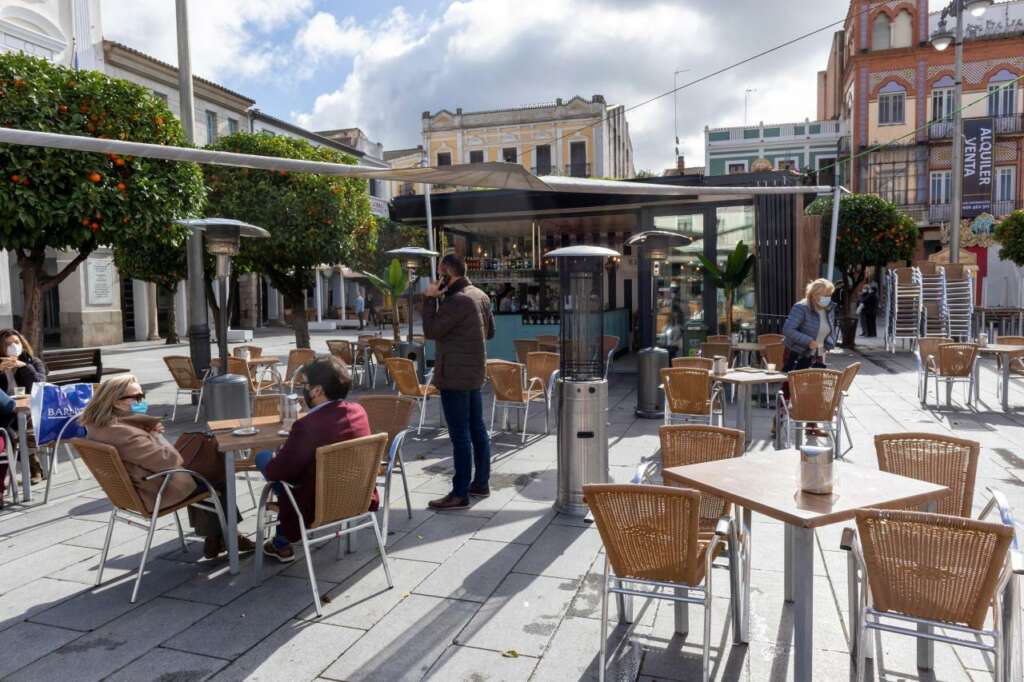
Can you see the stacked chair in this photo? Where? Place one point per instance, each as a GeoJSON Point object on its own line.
{"type": "Point", "coordinates": [933, 299]}
{"type": "Point", "coordinates": [904, 306]}
{"type": "Point", "coordinates": [960, 301]}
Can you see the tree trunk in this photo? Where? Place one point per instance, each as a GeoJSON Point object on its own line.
{"type": "Point", "coordinates": [396, 320]}
{"type": "Point", "coordinates": [172, 317]}
{"type": "Point", "coordinates": [153, 333]}
{"type": "Point", "coordinates": [32, 320]}
{"type": "Point", "coordinates": [730, 296]}
{"type": "Point", "coordinates": [299, 322]}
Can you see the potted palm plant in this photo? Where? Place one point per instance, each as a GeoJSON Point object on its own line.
{"type": "Point", "coordinates": [729, 279]}
{"type": "Point", "coordinates": [393, 282]}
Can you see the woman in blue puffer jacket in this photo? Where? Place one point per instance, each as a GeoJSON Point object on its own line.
{"type": "Point", "coordinates": [809, 330]}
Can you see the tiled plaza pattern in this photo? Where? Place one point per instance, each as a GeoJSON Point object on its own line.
{"type": "Point", "coordinates": [507, 590]}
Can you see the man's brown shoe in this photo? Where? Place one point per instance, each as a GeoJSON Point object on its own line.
{"type": "Point", "coordinates": [448, 502]}
{"type": "Point", "coordinates": [480, 491]}
{"type": "Point", "coordinates": [213, 546]}
{"type": "Point", "coordinates": [245, 545]}
{"type": "Point", "coordinates": [285, 555]}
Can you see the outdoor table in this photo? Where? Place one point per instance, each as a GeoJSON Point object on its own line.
{"type": "Point", "coordinates": [264, 364]}
{"type": "Point", "coordinates": [768, 483]}
{"type": "Point", "coordinates": [1003, 350]}
{"type": "Point", "coordinates": [747, 349]}
{"type": "Point", "coordinates": [21, 408]}
{"type": "Point", "coordinates": [229, 445]}
{"type": "Point", "coordinates": [744, 379]}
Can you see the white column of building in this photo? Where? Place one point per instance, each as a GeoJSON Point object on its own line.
{"type": "Point", "coordinates": [181, 308]}
{"type": "Point", "coordinates": [341, 293]}
{"type": "Point", "coordinates": [319, 297]}
{"type": "Point", "coordinates": [140, 305]}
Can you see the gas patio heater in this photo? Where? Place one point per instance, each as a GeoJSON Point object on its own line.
{"type": "Point", "coordinates": [582, 388]}
{"type": "Point", "coordinates": [226, 396]}
{"type": "Point", "coordinates": [653, 249]}
{"type": "Point", "coordinates": [410, 257]}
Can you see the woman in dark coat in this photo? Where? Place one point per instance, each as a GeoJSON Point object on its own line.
{"type": "Point", "coordinates": [20, 368]}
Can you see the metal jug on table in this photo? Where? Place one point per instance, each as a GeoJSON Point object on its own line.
{"type": "Point", "coordinates": [721, 366]}
{"type": "Point", "coordinates": [289, 410]}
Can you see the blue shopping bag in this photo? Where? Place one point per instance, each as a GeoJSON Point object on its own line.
{"type": "Point", "coordinates": [53, 406]}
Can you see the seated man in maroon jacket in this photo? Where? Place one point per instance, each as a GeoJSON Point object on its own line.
{"type": "Point", "coordinates": [331, 419]}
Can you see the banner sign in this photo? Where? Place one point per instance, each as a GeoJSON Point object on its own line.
{"type": "Point", "coordinates": [979, 149]}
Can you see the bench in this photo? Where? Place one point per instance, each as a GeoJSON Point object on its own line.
{"type": "Point", "coordinates": [84, 365]}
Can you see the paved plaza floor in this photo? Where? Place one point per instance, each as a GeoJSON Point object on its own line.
{"type": "Point", "coordinates": [506, 590]}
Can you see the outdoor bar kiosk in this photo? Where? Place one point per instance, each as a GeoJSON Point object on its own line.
{"type": "Point", "coordinates": [582, 387]}
{"type": "Point", "coordinates": [653, 249]}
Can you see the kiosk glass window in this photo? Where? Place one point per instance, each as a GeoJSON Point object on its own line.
{"type": "Point", "coordinates": [679, 283]}
{"type": "Point", "coordinates": [736, 224]}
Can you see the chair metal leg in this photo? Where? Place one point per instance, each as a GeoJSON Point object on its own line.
{"type": "Point", "coordinates": [405, 483]}
{"type": "Point", "coordinates": [52, 469]}
{"type": "Point", "coordinates": [106, 546]}
{"type": "Point", "coordinates": [261, 518]}
{"type": "Point", "coordinates": [681, 612]}
{"type": "Point", "coordinates": [853, 601]}
{"type": "Point", "coordinates": [423, 413]}
{"type": "Point", "coordinates": [181, 533]}
{"type": "Point", "coordinates": [383, 553]}
{"type": "Point", "coordinates": [602, 662]}
{"type": "Point", "coordinates": [145, 555]}
{"type": "Point", "coordinates": [309, 567]}
{"type": "Point", "coordinates": [177, 399]}
{"type": "Point", "coordinates": [385, 508]}
{"type": "Point", "coordinates": [526, 420]}
{"type": "Point", "coordinates": [494, 412]}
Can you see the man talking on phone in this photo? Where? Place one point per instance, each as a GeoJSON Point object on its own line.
{"type": "Point", "coordinates": [457, 317]}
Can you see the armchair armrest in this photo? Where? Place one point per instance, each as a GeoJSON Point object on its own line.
{"type": "Point", "coordinates": [846, 541]}
{"type": "Point", "coordinates": [998, 501]}
{"type": "Point", "coordinates": [724, 527]}
{"type": "Point", "coordinates": [396, 447]}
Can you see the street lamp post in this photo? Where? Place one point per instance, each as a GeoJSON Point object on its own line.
{"type": "Point", "coordinates": [410, 257]}
{"type": "Point", "coordinates": [941, 40]}
{"type": "Point", "coordinates": [675, 106]}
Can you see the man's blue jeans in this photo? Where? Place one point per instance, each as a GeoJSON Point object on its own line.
{"type": "Point", "coordinates": [263, 458]}
{"type": "Point", "coordinates": [471, 444]}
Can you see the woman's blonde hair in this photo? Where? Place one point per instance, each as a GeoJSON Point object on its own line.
{"type": "Point", "coordinates": [819, 287]}
{"type": "Point", "coordinates": [100, 410]}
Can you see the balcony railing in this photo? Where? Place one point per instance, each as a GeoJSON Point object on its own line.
{"type": "Point", "coordinates": [1004, 125]}
{"type": "Point", "coordinates": [942, 213]}
{"type": "Point", "coordinates": [940, 130]}
{"type": "Point", "coordinates": [548, 169]}
{"type": "Point", "coordinates": [578, 170]}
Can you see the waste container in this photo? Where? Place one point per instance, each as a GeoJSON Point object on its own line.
{"type": "Point", "coordinates": [693, 335]}
{"type": "Point", "coordinates": [226, 396]}
{"type": "Point", "coordinates": [414, 351]}
{"type": "Point", "coordinates": [650, 362]}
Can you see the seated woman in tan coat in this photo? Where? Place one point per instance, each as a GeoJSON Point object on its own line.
{"type": "Point", "coordinates": [116, 416]}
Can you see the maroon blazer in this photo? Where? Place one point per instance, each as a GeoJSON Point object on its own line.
{"type": "Point", "coordinates": [295, 462]}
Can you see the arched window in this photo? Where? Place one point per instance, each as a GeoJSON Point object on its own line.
{"type": "Point", "coordinates": [903, 30]}
{"type": "Point", "coordinates": [881, 33]}
{"type": "Point", "coordinates": [892, 101]}
{"type": "Point", "coordinates": [1002, 94]}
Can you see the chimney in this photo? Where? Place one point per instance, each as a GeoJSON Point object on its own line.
{"type": "Point", "coordinates": [680, 163]}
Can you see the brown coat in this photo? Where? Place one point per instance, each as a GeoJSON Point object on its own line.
{"type": "Point", "coordinates": [143, 453]}
{"type": "Point", "coordinates": [460, 325]}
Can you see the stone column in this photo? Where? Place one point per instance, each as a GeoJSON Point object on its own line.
{"type": "Point", "coordinates": [318, 298]}
{"type": "Point", "coordinates": [140, 310]}
{"type": "Point", "coordinates": [181, 299]}
{"type": "Point", "coordinates": [248, 301]}
{"type": "Point", "coordinates": [90, 301]}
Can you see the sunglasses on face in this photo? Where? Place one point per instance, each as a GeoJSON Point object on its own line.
{"type": "Point", "coordinates": [137, 397]}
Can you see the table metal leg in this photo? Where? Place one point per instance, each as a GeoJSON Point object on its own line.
{"type": "Point", "coordinates": [925, 648]}
{"type": "Point", "coordinates": [739, 577]}
{"type": "Point", "coordinates": [787, 553]}
{"type": "Point", "coordinates": [682, 613]}
{"type": "Point", "coordinates": [231, 512]}
{"type": "Point", "coordinates": [26, 475]}
{"type": "Point", "coordinates": [803, 606]}
{"type": "Point", "coordinates": [743, 411]}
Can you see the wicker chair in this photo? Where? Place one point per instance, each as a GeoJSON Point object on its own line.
{"type": "Point", "coordinates": [719, 338]}
{"type": "Point", "coordinates": [363, 355]}
{"type": "Point", "coordinates": [927, 353]}
{"type": "Point", "coordinates": [770, 339]}
{"type": "Point", "coordinates": [266, 406]}
{"type": "Point", "coordinates": [713, 349]}
{"type": "Point", "coordinates": [955, 365]}
{"type": "Point", "coordinates": [707, 364]}
{"type": "Point", "coordinates": [297, 359]}
{"type": "Point", "coordinates": [348, 353]}
{"type": "Point", "coordinates": [10, 457]}
{"type": "Point", "coordinates": [548, 343]}
{"type": "Point", "coordinates": [523, 348]}
{"type": "Point", "coordinates": [241, 368]}
{"type": "Point", "coordinates": [507, 383]}
{"type": "Point", "coordinates": [611, 345]}
{"type": "Point", "coordinates": [814, 400]}
{"type": "Point", "coordinates": [543, 367]}
{"type": "Point", "coordinates": [1016, 361]}
{"type": "Point", "coordinates": [379, 351]}
{"type": "Point", "coordinates": [254, 351]}
{"type": "Point", "coordinates": [845, 383]}
{"type": "Point", "coordinates": [108, 469]}
{"type": "Point", "coordinates": [773, 354]}
{"type": "Point", "coordinates": [186, 381]}
{"type": "Point", "coordinates": [655, 550]}
{"type": "Point", "coordinates": [346, 475]}
{"type": "Point", "coordinates": [390, 414]}
{"type": "Point", "coordinates": [690, 393]}
{"type": "Point", "coordinates": [403, 372]}
{"type": "Point", "coordinates": [925, 571]}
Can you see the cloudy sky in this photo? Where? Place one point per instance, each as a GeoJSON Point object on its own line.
{"type": "Point", "coordinates": [378, 65]}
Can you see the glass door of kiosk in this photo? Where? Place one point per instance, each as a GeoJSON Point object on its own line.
{"type": "Point", "coordinates": [679, 285]}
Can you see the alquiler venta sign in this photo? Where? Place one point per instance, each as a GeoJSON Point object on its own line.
{"type": "Point", "coordinates": [979, 148]}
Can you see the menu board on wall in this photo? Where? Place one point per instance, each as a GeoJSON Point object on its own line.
{"type": "Point", "coordinates": [99, 281]}
{"type": "Point", "coordinates": [978, 149]}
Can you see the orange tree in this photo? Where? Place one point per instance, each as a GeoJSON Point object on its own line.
{"type": "Point", "coordinates": [312, 219]}
{"type": "Point", "coordinates": [872, 232]}
{"type": "Point", "coordinates": [157, 256]}
{"type": "Point", "coordinates": [75, 201]}
{"type": "Point", "coordinates": [1010, 235]}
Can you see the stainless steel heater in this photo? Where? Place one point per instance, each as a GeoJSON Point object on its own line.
{"type": "Point", "coordinates": [582, 388]}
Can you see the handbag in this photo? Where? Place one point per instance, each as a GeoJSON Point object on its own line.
{"type": "Point", "coordinates": [199, 452]}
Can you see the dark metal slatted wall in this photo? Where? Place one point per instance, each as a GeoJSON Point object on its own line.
{"type": "Point", "coordinates": [775, 225]}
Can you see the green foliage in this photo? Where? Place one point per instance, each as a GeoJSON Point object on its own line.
{"type": "Point", "coordinates": [393, 280]}
{"type": "Point", "coordinates": [312, 219]}
{"type": "Point", "coordinates": [1010, 235]}
{"type": "Point", "coordinates": [729, 279]}
{"type": "Point", "coordinates": [161, 258]}
{"type": "Point", "coordinates": [390, 235]}
{"type": "Point", "coordinates": [872, 232]}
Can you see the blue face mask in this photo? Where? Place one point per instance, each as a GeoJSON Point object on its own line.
{"type": "Point", "coordinates": [825, 301]}
{"type": "Point", "coordinates": [140, 407]}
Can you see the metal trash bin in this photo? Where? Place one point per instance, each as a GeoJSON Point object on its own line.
{"type": "Point", "coordinates": [582, 442]}
{"type": "Point", "coordinates": [650, 362]}
{"type": "Point", "coordinates": [226, 396]}
{"type": "Point", "coordinates": [414, 351]}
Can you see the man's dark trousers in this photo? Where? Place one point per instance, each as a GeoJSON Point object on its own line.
{"type": "Point", "coordinates": [471, 444]}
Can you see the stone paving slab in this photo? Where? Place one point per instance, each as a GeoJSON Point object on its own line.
{"type": "Point", "coordinates": [473, 572]}
{"type": "Point", "coordinates": [27, 642]}
{"type": "Point", "coordinates": [297, 651]}
{"type": "Point", "coordinates": [161, 665]}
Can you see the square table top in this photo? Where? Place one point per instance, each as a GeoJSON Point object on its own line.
{"type": "Point", "coordinates": [768, 483]}
{"type": "Point", "coordinates": [263, 360]}
{"type": "Point", "coordinates": [997, 348]}
{"type": "Point", "coordinates": [265, 438]}
{"type": "Point", "coordinates": [749, 376]}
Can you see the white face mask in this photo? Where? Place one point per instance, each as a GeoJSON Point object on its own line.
{"type": "Point", "coordinates": [825, 301]}
{"type": "Point", "coordinates": [14, 349]}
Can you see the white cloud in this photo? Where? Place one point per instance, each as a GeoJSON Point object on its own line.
{"type": "Point", "coordinates": [229, 38]}
{"type": "Point", "coordinates": [324, 36]}
{"type": "Point", "coordinates": [486, 54]}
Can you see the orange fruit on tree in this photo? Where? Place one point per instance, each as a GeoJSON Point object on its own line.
{"type": "Point", "coordinates": [121, 187]}
{"type": "Point", "coordinates": [95, 177]}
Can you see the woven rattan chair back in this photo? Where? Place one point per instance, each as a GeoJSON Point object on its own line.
{"type": "Point", "coordinates": [506, 381]}
{"type": "Point", "coordinates": [364, 339]}
{"type": "Point", "coordinates": [609, 343]}
{"type": "Point", "coordinates": [814, 394]}
{"type": "Point", "coordinates": [254, 351]}
{"type": "Point", "coordinates": [382, 349]}
{"type": "Point", "coordinates": [548, 342]}
{"type": "Point", "coordinates": [541, 365]}
{"type": "Point", "coordinates": [706, 364]}
{"type": "Point", "coordinates": [107, 468]}
{"type": "Point", "coordinates": [931, 566]}
{"type": "Point", "coordinates": [849, 374]}
{"type": "Point", "coordinates": [388, 413]}
{"type": "Point", "coordinates": [712, 349]}
{"type": "Point", "coordinates": [687, 390]}
{"type": "Point", "coordinates": [686, 444]}
{"type": "Point", "coordinates": [1016, 359]}
{"type": "Point", "coordinates": [943, 460]}
{"type": "Point", "coordinates": [183, 372]}
{"type": "Point", "coordinates": [774, 354]}
{"type": "Point", "coordinates": [297, 357]}
{"type": "Point", "coordinates": [649, 532]}
{"type": "Point", "coordinates": [770, 339]}
{"type": "Point", "coordinates": [929, 346]}
{"type": "Point", "coordinates": [403, 373]}
{"type": "Point", "coordinates": [957, 359]}
{"type": "Point", "coordinates": [346, 474]}
{"type": "Point", "coordinates": [523, 349]}
{"type": "Point", "coordinates": [266, 406]}
{"type": "Point", "coordinates": [719, 338]}
{"type": "Point", "coordinates": [342, 350]}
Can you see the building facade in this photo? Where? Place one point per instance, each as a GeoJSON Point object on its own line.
{"type": "Point", "coordinates": [405, 158]}
{"type": "Point", "coordinates": [800, 147]}
{"type": "Point", "coordinates": [578, 138]}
